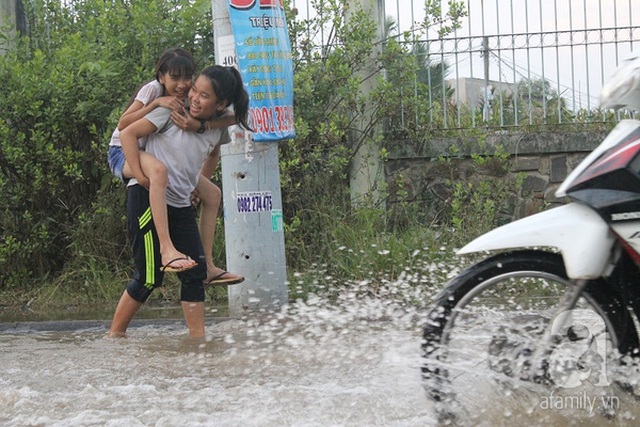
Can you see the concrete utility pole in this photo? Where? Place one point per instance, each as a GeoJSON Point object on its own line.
{"type": "Point", "coordinates": [367, 170]}
{"type": "Point", "coordinates": [7, 12]}
{"type": "Point", "coordinates": [488, 94]}
{"type": "Point", "coordinates": [11, 14]}
{"type": "Point", "coordinates": [252, 200]}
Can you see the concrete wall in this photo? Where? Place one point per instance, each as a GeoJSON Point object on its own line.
{"type": "Point", "coordinates": [545, 158]}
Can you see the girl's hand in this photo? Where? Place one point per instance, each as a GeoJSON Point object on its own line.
{"type": "Point", "coordinates": [185, 121]}
{"type": "Point", "coordinates": [195, 198]}
{"type": "Point", "coordinates": [170, 102]}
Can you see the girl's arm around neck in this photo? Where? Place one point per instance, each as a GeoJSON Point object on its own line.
{"type": "Point", "coordinates": [225, 120]}
{"type": "Point", "coordinates": [137, 110]}
{"type": "Point", "coordinates": [186, 122]}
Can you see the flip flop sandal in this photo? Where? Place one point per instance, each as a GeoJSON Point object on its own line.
{"type": "Point", "coordinates": [168, 269]}
{"type": "Point", "coordinates": [220, 281]}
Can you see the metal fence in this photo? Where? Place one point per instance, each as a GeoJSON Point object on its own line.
{"type": "Point", "coordinates": [519, 62]}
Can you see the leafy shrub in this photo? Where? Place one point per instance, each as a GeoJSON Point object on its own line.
{"type": "Point", "coordinates": [68, 77]}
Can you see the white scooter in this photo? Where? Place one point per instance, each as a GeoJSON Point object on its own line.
{"type": "Point", "coordinates": [559, 300]}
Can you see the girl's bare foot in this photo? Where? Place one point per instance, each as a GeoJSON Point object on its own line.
{"type": "Point", "coordinates": [175, 262]}
{"type": "Point", "coordinates": [219, 277]}
{"type": "Point", "coordinates": [111, 334]}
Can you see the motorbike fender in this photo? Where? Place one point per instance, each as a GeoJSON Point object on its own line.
{"type": "Point", "coordinates": [578, 232]}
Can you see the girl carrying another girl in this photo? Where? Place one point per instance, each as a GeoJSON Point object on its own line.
{"type": "Point", "coordinates": [174, 72]}
{"type": "Point", "coordinates": [186, 155]}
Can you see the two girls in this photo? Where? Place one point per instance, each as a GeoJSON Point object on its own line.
{"type": "Point", "coordinates": [185, 155]}
{"type": "Point", "coordinates": [174, 72]}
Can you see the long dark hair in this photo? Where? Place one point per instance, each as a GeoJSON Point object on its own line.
{"type": "Point", "coordinates": [227, 85]}
{"type": "Point", "coordinates": [176, 61]}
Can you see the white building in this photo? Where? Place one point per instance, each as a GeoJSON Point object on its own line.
{"type": "Point", "coordinates": [472, 92]}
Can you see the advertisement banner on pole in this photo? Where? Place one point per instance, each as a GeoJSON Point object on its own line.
{"type": "Point", "coordinates": [264, 60]}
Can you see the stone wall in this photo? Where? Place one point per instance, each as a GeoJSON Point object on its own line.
{"type": "Point", "coordinates": [424, 172]}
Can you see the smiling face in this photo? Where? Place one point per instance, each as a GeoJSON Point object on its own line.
{"type": "Point", "coordinates": [203, 101]}
{"type": "Point", "coordinates": [175, 85]}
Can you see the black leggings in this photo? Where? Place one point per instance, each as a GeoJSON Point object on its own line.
{"type": "Point", "coordinates": [183, 229]}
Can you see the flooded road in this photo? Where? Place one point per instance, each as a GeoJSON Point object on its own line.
{"type": "Point", "coordinates": [351, 363]}
{"type": "Point", "coordinates": [313, 366]}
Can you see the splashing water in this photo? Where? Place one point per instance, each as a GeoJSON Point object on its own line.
{"type": "Point", "coordinates": [313, 364]}
{"type": "Point", "coordinates": [353, 360]}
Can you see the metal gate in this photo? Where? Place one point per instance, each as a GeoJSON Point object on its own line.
{"type": "Point", "coordinates": [519, 62]}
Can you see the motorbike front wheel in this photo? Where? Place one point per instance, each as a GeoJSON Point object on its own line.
{"type": "Point", "coordinates": [489, 322]}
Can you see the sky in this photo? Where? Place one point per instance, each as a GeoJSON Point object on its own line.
{"type": "Point", "coordinates": [571, 43]}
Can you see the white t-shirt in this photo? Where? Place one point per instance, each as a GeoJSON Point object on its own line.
{"type": "Point", "coordinates": [145, 95]}
{"type": "Point", "coordinates": [182, 152]}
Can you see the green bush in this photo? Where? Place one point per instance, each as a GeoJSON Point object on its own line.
{"type": "Point", "coordinates": [487, 199]}
{"type": "Point", "coordinates": [49, 149]}
{"type": "Point", "coordinates": [70, 77]}
{"type": "Point", "coordinates": [68, 81]}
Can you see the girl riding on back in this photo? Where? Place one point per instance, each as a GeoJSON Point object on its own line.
{"type": "Point", "coordinates": [187, 155]}
{"type": "Point", "coordinates": [174, 71]}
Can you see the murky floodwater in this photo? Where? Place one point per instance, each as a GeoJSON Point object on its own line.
{"type": "Point", "coordinates": [312, 367]}
{"type": "Point", "coordinates": [356, 363]}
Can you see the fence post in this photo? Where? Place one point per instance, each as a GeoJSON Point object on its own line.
{"type": "Point", "coordinates": [367, 181]}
